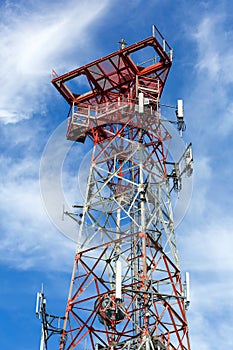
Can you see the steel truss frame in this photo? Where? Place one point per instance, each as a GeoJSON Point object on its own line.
{"type": "Point", "coordinates": [128, 209]}
{"type": "Point", "coordinates": [118, 74]}
{"type": "Point", "coordinates": [126, 289]}
{"type": "Point", "coordinates": [152, 306]}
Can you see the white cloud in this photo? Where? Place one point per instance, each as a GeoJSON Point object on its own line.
{"type": "Point", "coordinates": [208, 246]}
{"type": "Point", "coordinates": [210, 314]}
{"type": "Point", "coordinates": [210, 102]}
{"type": "Point", "coordinates": [209, 58]}
{"type": "Point", "coordinates": [35, 37]}
{"type": "Point", "coordinates": [214, 50]}
{"type": "Point", "coordinates": [29, 239]}
{"type": "Point", "coordinates": [210, 110]}
{"type": "Point", "coordinates": [35, 41]}
{"type": "Point", "coordinates": [204, 237]}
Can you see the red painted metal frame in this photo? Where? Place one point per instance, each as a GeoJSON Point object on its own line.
{"type": "Point", "coordinates": [115, 75]}
{"type": "Point", "coordinates": [89, 279]}
{"type": "Point", "coordinates": [115, 80]}
{"type": "Point", "coordinates": [156, 139]}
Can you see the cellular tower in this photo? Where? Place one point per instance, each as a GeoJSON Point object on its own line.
{"type": "Point", "coordinates": [126, 289]}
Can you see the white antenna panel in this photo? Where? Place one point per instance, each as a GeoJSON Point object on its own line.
{"type": "Point", "coordinates": [180, 109]}
{"type": "Point", "coordinates": [140, 102]}
{"type": "Point", "coordinates": [187, 282]}
{"type": "Point", "coordinates": [118, 279]}
{"type": "Point", "coordinates": [38, 304]}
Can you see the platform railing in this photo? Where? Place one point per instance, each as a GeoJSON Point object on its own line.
{"type": "Point", "coordinates": [83, 115]}
{"type": "Point", "coordinates": [166, 47]}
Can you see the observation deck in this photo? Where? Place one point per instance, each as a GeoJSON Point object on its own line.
{"type": "Point", "coordinates": [115, 82]}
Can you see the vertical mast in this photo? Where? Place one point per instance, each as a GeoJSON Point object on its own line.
{"type": "Point", "coordinates": [126, 290]}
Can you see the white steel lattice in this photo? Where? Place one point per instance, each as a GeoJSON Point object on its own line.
{"type": "Point", "coordinates": [127, 217]}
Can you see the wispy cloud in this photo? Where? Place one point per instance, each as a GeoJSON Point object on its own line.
{"type": "Point", "coordinates": [34, 40]}
{"type": "Point", "coordinates": [28, 239]}
{"type": "Point", "coordinates": [35, 37]}
{"type": "Point", "coordinates": [205, 239]}
{"type": "Point", "coordinates": [213, 75]}
{"type": "Point", "coordinates": [214, 50]}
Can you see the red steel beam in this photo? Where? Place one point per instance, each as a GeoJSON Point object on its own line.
{"type": "Point", "coordinates": [124, 74]}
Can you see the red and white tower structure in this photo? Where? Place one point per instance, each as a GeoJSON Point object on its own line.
{"type": "Point", "coordinates": [126, 290]}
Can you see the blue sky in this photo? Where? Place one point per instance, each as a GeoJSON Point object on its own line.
{"type": "Point", "coordinates": [38, 36]}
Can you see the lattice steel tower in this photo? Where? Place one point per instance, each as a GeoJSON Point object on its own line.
{"type": "Point", "coordinates": [126, 290]}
